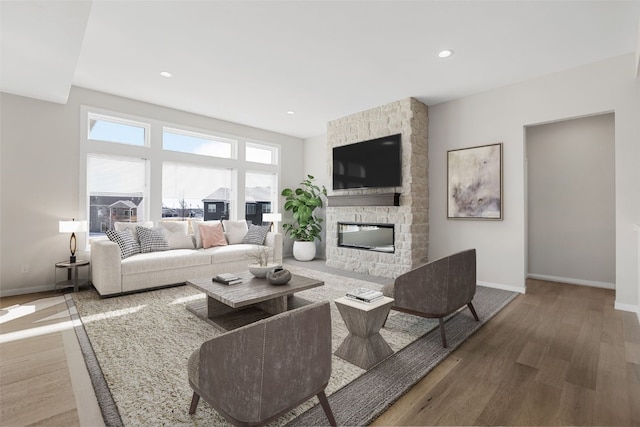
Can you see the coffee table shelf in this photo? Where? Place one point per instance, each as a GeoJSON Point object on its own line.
{"type": "Point", "coordinates": [229, 307]}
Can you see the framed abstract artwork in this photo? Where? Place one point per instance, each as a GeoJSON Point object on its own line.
{"type": "Point", "coordinates": [474, 182]}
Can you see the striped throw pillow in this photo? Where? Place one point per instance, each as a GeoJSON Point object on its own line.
{"type": "Point", "coordinates": [256, 234]}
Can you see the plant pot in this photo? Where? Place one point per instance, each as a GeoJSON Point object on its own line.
{"type": "Point", "coordinates": [261, 271]}
{"type": "Point", "coordinates": [304, 251]}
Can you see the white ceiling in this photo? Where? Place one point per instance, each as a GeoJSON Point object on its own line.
{"type": "Point", "coordinates": [252, 61]}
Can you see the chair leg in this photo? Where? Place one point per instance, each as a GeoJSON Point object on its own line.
{"type": "Point", "coordinates": [194, 403]}
{"type": "Point", "coordinates": [473, 311]}
{"type": "Point", "coordinates": [444, 337]}
{"type": "Point", "coordinates": [327, 409]}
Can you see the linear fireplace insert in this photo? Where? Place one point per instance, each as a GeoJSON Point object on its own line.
{"type": "Point", "coordinates": [371, 237]}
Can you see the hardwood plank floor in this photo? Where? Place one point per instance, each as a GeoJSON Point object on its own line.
{"type": "Point", "coordinates": [559, 355]}
{"type": "Point", "coordinates": [43, 379]}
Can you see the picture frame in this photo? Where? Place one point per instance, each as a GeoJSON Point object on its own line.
{"type": "Point", "coordinates": [474, 183]}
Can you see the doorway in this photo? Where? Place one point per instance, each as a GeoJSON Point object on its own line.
{"type": "Point", "coordinates": [571, 201]}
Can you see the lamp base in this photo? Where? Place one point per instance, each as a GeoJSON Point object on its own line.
{"type": "Point", "coordinates": [72, 259]}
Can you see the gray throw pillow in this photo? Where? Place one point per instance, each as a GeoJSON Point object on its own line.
{"type": "Point", "coordinates": [126, 242]}
{"type": "Point", "coordinates": [152, 240]}
{"type": "Point", "coordinates": [256, 234]}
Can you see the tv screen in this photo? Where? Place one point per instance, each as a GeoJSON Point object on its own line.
{"type": "Point", "coordinates": [368, 164]}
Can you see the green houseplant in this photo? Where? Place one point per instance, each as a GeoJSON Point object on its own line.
{"type": "Point", "coordinates": [306, 227]}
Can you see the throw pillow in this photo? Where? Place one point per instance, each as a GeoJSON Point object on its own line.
{"type": "Point", "coordinates": [119, 226]}
{"type": "Point", "coordinates": [195, 226]}
{"type": "Point", "coordinates": [235, 231]}
{"type": "Point", "coordinates": [176, 234]}
{"type": "Point", "coordinates": [152, 240]}
{"type": "Point", "coordinates": [256, 234]}
{"type": "Point", "coordinates": [212, 235]}
{"type": "Point", "coordinates": [126, 242]}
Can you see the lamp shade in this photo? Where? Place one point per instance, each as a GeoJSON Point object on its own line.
{"type": "Point", "coordinates": [272, 217]}
{"type": "Point", "coordinates": [72, 226]}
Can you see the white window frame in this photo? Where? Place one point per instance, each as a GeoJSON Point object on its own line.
{"type": "Point", "coordinates": [155, 155]}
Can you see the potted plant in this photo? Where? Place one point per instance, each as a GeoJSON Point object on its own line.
{"type": "Point", "coordinates": [306, 227]}
{"type": "Point", "coordinates": [261, 265]}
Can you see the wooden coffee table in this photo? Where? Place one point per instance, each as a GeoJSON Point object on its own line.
{"type": "Point", "coordinates": [229, 307]}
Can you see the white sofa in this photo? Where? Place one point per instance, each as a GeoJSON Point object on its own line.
{"type": "Point", "coordinates": [112, 275]}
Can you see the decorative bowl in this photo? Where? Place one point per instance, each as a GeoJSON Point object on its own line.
{"type": "Point", "coordinates": [261, 271]}
{"type": "Point", "coordinates": [279, 276]}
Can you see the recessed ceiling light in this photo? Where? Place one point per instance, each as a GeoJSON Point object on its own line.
{"type": "Point", "coordinates": [291, 112]}
{"type": "Point", "coordinates": [445, 53]}
{"type": "Point", "coordinates": [166, 74]}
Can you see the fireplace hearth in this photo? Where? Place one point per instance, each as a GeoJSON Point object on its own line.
{"type": "Point", "coordinates": [370, 237]}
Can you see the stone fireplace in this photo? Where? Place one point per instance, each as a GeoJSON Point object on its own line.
{"type": "Point", "coordinates": [404, 209]}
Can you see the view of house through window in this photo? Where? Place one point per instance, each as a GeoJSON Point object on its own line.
{"type": "Point", "coordinates": [116, 190]}
{"type": "Point", "coordinates": [260, 195]}
{"type": "Point", "coordinates": [190, 191]}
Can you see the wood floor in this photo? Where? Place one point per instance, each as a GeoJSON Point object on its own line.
{"type": "Point", "coordinates": [559, 355]}
{"type": "Point", "coordinates": [43, 378]}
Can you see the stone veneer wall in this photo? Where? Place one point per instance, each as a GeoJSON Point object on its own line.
{"type": "Point", "coordinates": [408, 117]}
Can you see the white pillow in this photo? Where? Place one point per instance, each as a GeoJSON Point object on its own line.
{"type": "Point", "coordinates": [176, 234]}
{"type": "Point", "coordinates": [120, 226]}
{"type": "Point", "coordinates": [235, 231]}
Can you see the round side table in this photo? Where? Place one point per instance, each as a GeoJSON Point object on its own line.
{"type": "Point", "coordinates": [72, 275]}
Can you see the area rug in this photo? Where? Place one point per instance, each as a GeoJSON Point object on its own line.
{"type": "Point", "coordinates": [137, 347]}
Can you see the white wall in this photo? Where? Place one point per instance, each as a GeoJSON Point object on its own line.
{"type": "Point", "coordinates": [40, 171]}
{"type": "Point", "coordinates": [500, 116]}
{"type": "Point", "coordinates": [316, 165]}
{"type": "Point", "coordinates": [571, 201]}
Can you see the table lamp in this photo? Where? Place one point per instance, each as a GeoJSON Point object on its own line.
{"type": "Point", "coordinates": [72, 227]}
{"type": "Point", "coordinates": [273, 218]}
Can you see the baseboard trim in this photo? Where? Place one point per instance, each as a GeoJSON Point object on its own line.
{"type": "Point", "coordinates": [518, 289]}
{"type": "Point", "coordinates": [627, 307]}
{"type": "Point", "coordinates": [23, 291]}
{"type": "Point", "coordinates": [591, 283]}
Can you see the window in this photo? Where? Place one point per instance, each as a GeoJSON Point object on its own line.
{"type": "Point", "coordinates": [195, 143]}
{"type": "Point", "coordinates": [116, 191]}
{"type": "Point", "coordinates": [259, 153]}
{"type": "Point", "coordinates": [260, 195]}
{"type": "Point", "coordinates": [109, 129]}
{"type": "Point", "coordinates": [196, 191]}
{"type": "Point", "coordinates": [143, 169]}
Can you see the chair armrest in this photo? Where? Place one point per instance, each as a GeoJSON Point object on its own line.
{"type": "Point", "coordinates": [106, 271]}
{"type": "Point", "coordinates": [274, 241]}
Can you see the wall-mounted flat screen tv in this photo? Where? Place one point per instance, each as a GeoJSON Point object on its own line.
{"type": "Point", "coordinates": [368, 164]}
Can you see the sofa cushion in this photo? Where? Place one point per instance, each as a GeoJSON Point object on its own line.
{"type": "Point", "coordinates": [119, 226]}
{"type": "Point", "coordinates": [235, 231]}
{"type": "Point", "coordinates": [231, 253]}
{"type": "Point", "coordinates": [164, 260]}
{"type": "Point", "coordinates": [177, 234]}
{"type": "Point", "coordinates": [127, 244]}
{"type": "Point", "coordinates": [212, 235]}
{"type": "Point", "coordinates": [256, 234]}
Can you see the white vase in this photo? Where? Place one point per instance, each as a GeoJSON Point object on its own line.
{"type": "Point", "coordinates": [304, 251]}
{"type": "Point", "coordinates": [261, 271]}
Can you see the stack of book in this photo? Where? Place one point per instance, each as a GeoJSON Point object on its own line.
{"type": "Point", "coordinates": [364, 295]}
{"type": "Point", "coordinates": [227, 279]}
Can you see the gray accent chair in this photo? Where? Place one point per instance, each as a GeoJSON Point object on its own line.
{"type": "Point", "coordinates": [437, 289]}
{"type": "Point", "coordinates": [254, 374]}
